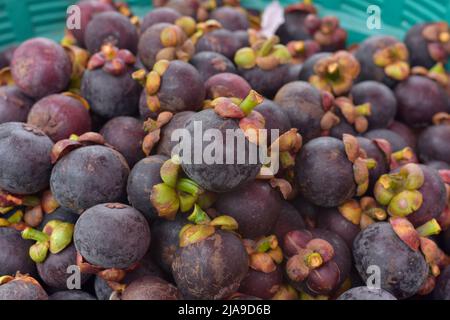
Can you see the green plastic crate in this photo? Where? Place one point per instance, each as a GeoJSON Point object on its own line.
{"type": "Point", "coordinates": [23, 19]}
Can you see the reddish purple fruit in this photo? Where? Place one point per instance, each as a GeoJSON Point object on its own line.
{"type": "Point", "coordinates": [14, 255]}
{"type": "Point", "coordinates": [60, 115]}
{"type": "Point", "coordinates": [41, 67]}
{"type": "Point", "coordinates": [230, 18]}
{"type": "Point", "coordinates": [433, 144]}
{"type": "Point", "coordinates": [288, 220]}
{"type": "Point", "coordinates": [151, 288]}
{"type": "Point", "coordinates": [111, 28]}
{"type": "Point", "coordinates": [125, 134]}
{"type": "Point", "coordinates": [221, 41]}
{"type": "Point", "coordinates": [227, 85]}
{"type": "Point", "coordinates": [209, 64]}
{"type": "Point", "coordinates": [397, 142]}
{"type": "Point", "coordinates": [166, 144]}
{"type": "Point", "coordinates": [159, 15]}
{"type": "Point", "coordinates": [22, 287]}
{"type": "Point", "coordinates": [14, 105]}
{"type": "Point", "coordinates": [260, 284]}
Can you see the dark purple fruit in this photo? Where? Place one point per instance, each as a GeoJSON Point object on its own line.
{"type": "Point", "coordinates": [144, 175]}
{"type": "Point", "coordinates": [374, 152]}
{"type": "Point", "coordinates": [383, 105]}
{"type": "Point", "coordinates": [288, 220]}
{"type": "Point", "coordinates": [6, 56]}
{"type": "Point", "coordinates": [383, 59]}
{"type": "Point", "coordinates": [14, 256]}
{"type": "Point", "coordinates": [397, 142]}
{"type": "Point", "coordinates": [109, 87]}
{"type": "Point", "coordinates": [276, 118]}
{"type": "Point", "coordinates": [438, 165]}
{"type": "Point", "coordinates": [230, 18]}
{"type": "Point", "coordinates": [227, 85]}
{"type": "Point", "coordinates": [165, 144]}
{"type": "Point", "coordinates": [89, 176]}
{"type": "Point", "coordinates": [41, 67]}
{"type": "Point", "coordinates": [125, 134]}
{"type": "Point", "coordinates": [307, 210]}
{"type": "Point", "coordinates": [433, 144]}
{"type": "Point", "coordinates": [212, 268]}
{"type": "Point", "coordinates": [308, 66]}
{"type": "Point", "coordinates": [14, 105]}
{"type": "Point", "coordinates": [150, 288]}
{"type": "Point", "coordinates": [111, 28]}
{"type": "Point", "coordinates": [303, 105]}
{"type": "Point", "coordinates": [405, 132]}
{"type": "Point", "coordinates": [255, 206]}
{"type": "Point", "coordinates": [324, 173]}
{"type": "Point", "coordinates": [185, 8]}
{"type": "Point", "coordinates": [260, 284]}
{"type": "Point", "coordinates": [419, 99]}
{"type": "Point", "coordinates": [218, 177]}
{"type": "Point", "coordinates": [112, 236]}
{"type": "Point", "coordinates": [402, 270]}
{"type": "Point", "coordinates": [267, 82]}
{"type": "Point", "coordinates": [319, 261]}
{"type": "Point", "coordinates": [22, 288]}
{"type": "Point", "coordinates": [294, 26]}
{"type": "Point", "coordinates": [69, 295]}
{"type": "Point", "coordinates": [364, 293]}
{"type": "Point", "coordinates": [181, 89]}
{"type": "Point", "coordinates": [165, 239]}
{"type": "Point", "coordinates": [88, 9]}
{"type": "Point", "coordinates": [209, 64]}
{"type": "Point", "coordinates": [25, 164]}
{"type": "Point", "coordinates": [442, 289]}
{"type": "Point", "coordinates": [428, 44]}
{"type": "Point", "coordinates": [60, 115]}
{"type": "Point", "coordinates": [221, 41]}
{"type": "Point", "coordinates": [159, 15]}
{"type": "Point", "coordinates": [331, 219]}
{"type": "Point", "coordinates": [53, 271]}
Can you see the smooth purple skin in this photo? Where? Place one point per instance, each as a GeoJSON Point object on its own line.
{"type": "Point", "coordinates": [41, 67]}
{"type": "Point", "coordinates": [267, 82]}
{"type": "Point", "coordinates": [365, 294]}
{"type": "Point", "coordinates": [112, 238]}
{"type": "Point", "coordinates": [151, 288]}
{"type": "Point", "coordinates": [343, 127]}
{"type": "Point", "coordinates": [210, 63]}
{"type": "Point", "coordinates": [308, 211]}
{"type": "Point", "coordinates": [303, 105]}
{"type": "Point", "coordinates": [53, 271]}
{"type": "Point", "coordinates": [434, 144]}
{"type": "Point", "coordinates": [181, 88]}
{"type": "Point", "coordinates": [159, 15]}
{"type": "Point", "coordinates": [71, 295]}
{"type": "Point", "coordinates": [89, 176]}
{"type": "Point", "coordinates": [288, 220]}
{"type": "Point", "coordinates": [382, 101]}
{"type": "Point", "coordinates": [222, 41]}
{"type": "Point", "coordinates": [260, 284]}
{"type": "Point", "coordinates": [144, 175]}
{"type": "Point", "coordinates": [125, 134]}
{"type": "Point", "coordinates": [331, 219]}
{"type": "Point", "coordinates": [231, 18]}
{"type": "Point", "coordinates": [438, 165]}
{"type": "Point", "coordinates": [324, 173]}
{"type": "Point", "coordinates": [294, 27]}
{"type": "Point", "coordinates": [434, 198]}
{"type": "Point", "coordinates": [19, 289]}
{"type": "Point", "coordinates": [212, 268]}
{"type": "Point", "coordinates": [419, 99]}
{"type": "Point", "coordinates": [60, 116]}
{"type": "Point", "coordinates": [14, 105]}
{"type": "Point", "coordinates": [165, 144]}
{"type": "Point", "coordinates": [25, 163]}
{"type": "Point", "coordinates": [14, 255]}
{"type": "Point", "coordinates": [405, 132]}
{"type": "Point", "coordinates": [403, 271]}
{"type": "Point", "coordinates": [397, 142]}
{"type": "Point", "coordinates": [111, 96]}
{"type": "Point", "coordinates": [228, 85]}
{"type": "Point", "coordinates": [88, 10]}
{"type": "Point", "coordinates": [418, 47]}
{"type": "Point", "coordinates": [255, 206]}
{"type": "Point", "coordinates": [185, 8]}
{"type": "Point", "coordinates": [111, 27]}
{"type": "Point", "coordinates": [276, 118]}
{"type": "Point", "coordinates": [150, 44]}
{"type": "Point", "coordinates": [6, 56]}
{"type": "Point", "coordinates": [364, 54]}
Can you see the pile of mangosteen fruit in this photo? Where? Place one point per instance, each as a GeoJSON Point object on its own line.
{"type": "Point", "coordinates": [92, 188]}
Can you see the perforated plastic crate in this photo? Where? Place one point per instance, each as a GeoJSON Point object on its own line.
{"type": "Point", "coordinates": [23, 19]}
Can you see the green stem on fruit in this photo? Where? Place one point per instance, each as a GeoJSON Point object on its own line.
{"type": "Point", "coordinates": [199, 216]}
{"type": "Point", "coordinates": [31, 201]}
{"type": "Point", "coordinates": [314, 260]}
{"type": "Point", "coordinates": [16, 217]}
{"type": "Point", "coordinates": [267, 46]}
{"type": "Point", "coordinates": [36, 235]}
{"type": "Point", "coordinates": [430, 228]}
{"type": "Point", "coordinates": [251, 101]}
{"type": "Point", "coordinates": [189, 186]}
{"type": "Point", "coordinates": [5, 210]}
